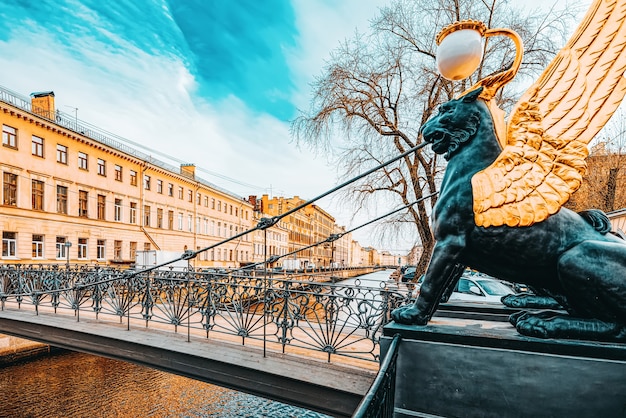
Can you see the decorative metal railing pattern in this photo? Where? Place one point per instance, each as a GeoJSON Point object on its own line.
{"type": "Point", "coordinates": [282, 312]}
{"type": "Point", "coordinates": [378, 402]}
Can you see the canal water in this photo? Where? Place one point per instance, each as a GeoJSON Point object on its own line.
{"type": "Point", "coordinates": [71, 384]}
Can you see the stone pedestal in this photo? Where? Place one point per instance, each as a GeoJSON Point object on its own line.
{"type": "Point", "coordinates": [457, 367]}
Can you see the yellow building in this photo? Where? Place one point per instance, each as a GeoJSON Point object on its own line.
{"type": "Point", "coordinates": [306, 227]}
{"type": "Point", "coordinates": [273, 241]}
{"type": "Point", "coordinates": [65, 183]}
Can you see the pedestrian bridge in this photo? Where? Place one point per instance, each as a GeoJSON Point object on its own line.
{"type": "Point", "coordinates": [304, 341]}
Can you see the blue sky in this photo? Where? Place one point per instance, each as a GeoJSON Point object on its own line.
{"type": "Point", "coordinates": [208, 82]}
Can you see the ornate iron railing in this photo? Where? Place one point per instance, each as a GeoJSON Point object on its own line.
{"type": "Point", "coordinates": [378, 402]}
{"type": "Point", "coordinates": [286, 313]}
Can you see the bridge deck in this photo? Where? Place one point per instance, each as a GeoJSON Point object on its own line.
{"type": "Point", "coordinates": [294, 378]}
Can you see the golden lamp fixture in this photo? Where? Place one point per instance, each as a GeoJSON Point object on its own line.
{"type": "Point", "coordinates": [544, 141]}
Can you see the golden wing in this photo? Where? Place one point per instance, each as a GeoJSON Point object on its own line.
{"type": "Point", "coordinates": [543, 160]}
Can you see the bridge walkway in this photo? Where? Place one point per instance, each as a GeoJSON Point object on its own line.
{"type": "Point", "coordinates": [297, 378]}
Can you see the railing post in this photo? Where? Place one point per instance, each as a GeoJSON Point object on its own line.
{"type": "Point", "coordinates": [265, 301]}
{"type": "Point", "coordinates": [188, 305]}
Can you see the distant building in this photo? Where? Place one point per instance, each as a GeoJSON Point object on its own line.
{"type": "Point", "coordinates": [273, 241]}
{"type": "Point", "coordinates": [66, 183]}
{"type": "Point", "coordinates": [307, 227]}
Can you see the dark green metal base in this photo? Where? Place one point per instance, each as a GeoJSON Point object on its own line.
{"type": "Point", "coordinates": [457, 367]}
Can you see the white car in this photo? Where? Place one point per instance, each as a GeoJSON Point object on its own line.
{"type": "Point", "coordinates": [479, 289]}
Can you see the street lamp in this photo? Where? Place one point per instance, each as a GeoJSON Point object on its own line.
{"type": "Point", "coordinates": [460, 52]}
{"type": "Point", "coordinates": [67, 254]}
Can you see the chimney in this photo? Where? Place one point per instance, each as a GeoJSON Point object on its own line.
{"type": "Point", "coordinates": [256, 203]}
{"type": "Point", "coordinates": [188, 170]}
{"type": "Point", "coordinates": [42, 104]}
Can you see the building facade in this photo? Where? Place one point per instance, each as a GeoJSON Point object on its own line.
{"type": "Point", "coordinates": [306, 227]}
{"type": "Point", "coordinates": [71, 194]}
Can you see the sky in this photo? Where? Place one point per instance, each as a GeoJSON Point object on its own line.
{"type": "Point", "coordinates": [213, 83]}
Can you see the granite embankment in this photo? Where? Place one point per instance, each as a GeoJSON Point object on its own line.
{"type": "Point", "coordinates": [13, 349]}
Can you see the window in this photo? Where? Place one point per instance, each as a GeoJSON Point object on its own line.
{"type": "Point", "coordinates": [190, 195]}
{"type": "Point", "coordinates": [37, 246]}
{"type": "Point", "coordinates": [170, 219]}
{"type": "Point", "coordinates": [189, 222]}
{"type": "Point", "coordinates": [9, 136]}
{"type": "Point", "coordinates": [206, 201]}
{"type": "Point", "coordinates": [197, 225]}
{"type": "Point", "coordinates": [198, 198]}
{"type": "Point", "coordinates": [146, 246]}
{"type": "Point", "coordinates": [61, 199]}
{"type": "Point", "coordinates": [146, 215]}
{"type": "Point", "coordinates": [82, 203]}
{"type": "Point", "coordinates": [231, 209]}
{"type": "Point", "coordinates": [133, 250]}
{"type": "Point", "coordinates": [170, 190]}
{"type": "Point", "coordinates": [37, 146]}
{"type": "Point", "coordinates": [180, 192]}
{"type": "Point", "coordinates": [133, 213]}
{"type": "Point", "coordinates": [117, 250]}
{"type": "Point", "coordinates": [82, 161]}
{"type": "Point", "coordinates": [102, 167]}
{"type": "Point", "coordinates": [118, 172]}
{"type": "Point", "coordinates": [212, 203]}
{"type": "Point", "coordinates": [160, 186]}
{"type": "Point", "coordinates": [37, 194]}
{"type": "Point", "coordinates": [146, 182]}
{"type": "Point", "coordinates": [180, 221]}
{"type": "Point", "coordinates": [101, 249]}
{"type": "Point", "coordinates": [9, 244]}
{"type": "Point", "coordinates": [82, 248]}
{"type": "Point", "coordinates": [219, 205]}
{"type": "Point", "coordinates": [61, 248]}
{"type": "Point", "coordinates": [101, 207]}
{"type": "Point", "coordinates": [9, 189]}
{"type": "Point", "coordinates": [159, 218]}
{"type": "Point", "coordinates": [133, 178]}
{"type": "Point", "coordinates": [61, 154]}
{"type": "Point", "coordinates": [118, 210]}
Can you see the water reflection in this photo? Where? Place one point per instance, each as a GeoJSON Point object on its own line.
{"type": "Point", "coordinates": [80, 385]}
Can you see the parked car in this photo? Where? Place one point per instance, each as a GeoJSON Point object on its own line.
{"type": "Point", "coordinates": [395, 275]}
{"type": "Point", "coordinates": [479, 289]}
{"type": "Point", "coordinates": [517, 287]}
{"type": "Point", "coordinates": [408, 275]}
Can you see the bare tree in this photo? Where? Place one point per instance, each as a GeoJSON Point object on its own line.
{"type": "Point", "coordinates": [379, 88]}
{"type": "Point", "coordinates": [604, 184]}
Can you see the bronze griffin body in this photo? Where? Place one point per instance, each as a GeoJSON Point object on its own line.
{"type": "Point", "coordinates": [500, 206]}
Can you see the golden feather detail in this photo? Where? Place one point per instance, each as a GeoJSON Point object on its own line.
{"type": "Point", "coordinates": [544, 152]}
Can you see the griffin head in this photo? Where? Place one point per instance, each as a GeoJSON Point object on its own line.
{"type": "Point", "coordinates": [456, 122]}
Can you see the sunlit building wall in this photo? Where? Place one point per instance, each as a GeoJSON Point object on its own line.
{"type": "Point", "coordinates": [63, 183]}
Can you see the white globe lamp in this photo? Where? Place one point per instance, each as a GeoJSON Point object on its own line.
{"type": "Point", "coordinates": [460, 49]}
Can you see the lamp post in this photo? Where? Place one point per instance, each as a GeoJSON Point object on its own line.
{"type": "Point", "coordinates": [67, 254]}
{"type": "Point", "coordinates": [460, 52]}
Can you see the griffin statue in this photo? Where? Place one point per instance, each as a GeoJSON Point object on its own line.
{"type": "Point", "coordinates": [500, 209]}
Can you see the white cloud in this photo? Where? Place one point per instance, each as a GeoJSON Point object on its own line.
{"type": "Point", "coordinates": [149, 100]}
